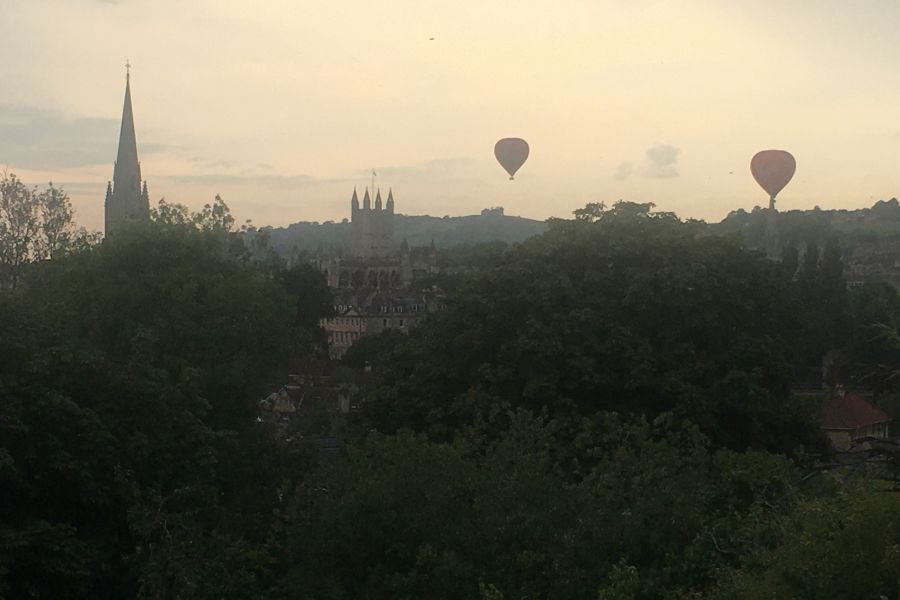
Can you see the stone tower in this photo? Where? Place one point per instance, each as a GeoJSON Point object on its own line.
{"type": "Point", "coordinates": [126, 198]}
{"type": "Point", "coordinates": [372, 229]}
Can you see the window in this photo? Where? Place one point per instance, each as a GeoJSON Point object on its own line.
{"type": "Point", "coordinates": [401, 322]}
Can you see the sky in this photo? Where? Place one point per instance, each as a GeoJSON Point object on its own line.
{"type": "Point", "coordinates": [283, 106]}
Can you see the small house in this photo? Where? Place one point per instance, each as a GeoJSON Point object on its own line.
{"type": "Point", "coordinates": [847, 417]}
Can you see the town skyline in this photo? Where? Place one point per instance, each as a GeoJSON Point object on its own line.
{"type": "Point", "coordinates": [659, 101]}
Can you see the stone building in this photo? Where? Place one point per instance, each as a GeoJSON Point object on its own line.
{"type": "Point", "coordinates": [369, 312]}
{"type": "Point", "coordinates": [378, 286]}
{"type": "Point", "coordinates": [374, 261]}
{"type": "Point", "coordinates": [127, 199]}
{"type": "Point", "coordinates": [349, 324]}
{"type": "Point", "coordinates": [372, 230]}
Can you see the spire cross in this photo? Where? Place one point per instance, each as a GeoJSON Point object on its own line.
{"type": "Point", "coordinates": [127, 69]}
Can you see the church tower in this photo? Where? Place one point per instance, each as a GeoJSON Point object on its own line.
{"type": "Point", "coordinates": [372, 229]}
{"type": "Point", "coordinates": [126, 199]}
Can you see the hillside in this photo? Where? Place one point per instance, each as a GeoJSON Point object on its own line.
{"type": "Point", "coordinates": [418, 230]}
{"type": "Point", "coordinates": [869, 237]}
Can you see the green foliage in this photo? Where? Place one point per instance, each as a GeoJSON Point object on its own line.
{"type": "Point", "coordinates": [822, 294]}
{"type": "Point", "coordinates": [592, 211]}
{"type": "Point", "coordinates": [374, 350]}
{"type": "Point", "coordinates": [623, 583]}
{"type": "Point", "coordinates": [503, 518]}
{"type": "Point", "coordinates": [634, 312]}
{"type": "Point", "coordinates": [212, 217]}
{"type": "Point", "coordinates": [129, 434]}
{"type": "Point", "coordinates": [845, 546]}
{"type": "Point", "coordinates": [312, 298]}
{"type": "Point", "coordinates": [601, 412]}
{"type": "Point", "coordinates": [874, 343]}
{"type": "Point", "coordinates": [34, 226]}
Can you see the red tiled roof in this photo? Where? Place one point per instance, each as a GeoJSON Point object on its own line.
{"type": "Point", "coordinates": [849, 412]}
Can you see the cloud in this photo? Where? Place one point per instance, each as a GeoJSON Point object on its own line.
{"type": "Point", "coordinates": [661, 161]}
{"type": "Point", "coordinates": [272, 182]}
{"type": "Point", "coordinates": [436, 172]}
{"type": "Point", "coordinates": [41, 139]}
{"type": "Point", "coordinates": [229, 177]}
{"type": "Point", "coordinates": [205, 163]}
{"type": "Point", "coordinates": [623, 172]}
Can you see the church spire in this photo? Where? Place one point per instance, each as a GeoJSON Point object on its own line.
{"type": "Point", "coordinates": [128, 200]}
{"type": "Point", "coordinates": [367, 203]}
{"type": "Point", "coordinates": [127, 172]}
{"type": "Point", "coordinates": [390, 201]}
{"type": "Point", "coordinates": [378, 200]}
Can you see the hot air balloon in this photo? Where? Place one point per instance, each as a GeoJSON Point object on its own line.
{"type": "Point", "coordinates": [772, 170]}
{"type": "Point", "coordinates": [511, 153]}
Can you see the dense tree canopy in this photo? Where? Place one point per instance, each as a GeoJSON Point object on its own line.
{"type": "Point", "coordinates": [627, 311]}
{"type": "Point", "coordinates": [406, 518]}
{"type": "Point", "coordinates": [129, 431]}
{"type": "Point", "coordinates": [601, 412]}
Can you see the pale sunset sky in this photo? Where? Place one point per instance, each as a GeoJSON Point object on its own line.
{"type": "Point", "coordinates": [282, 107]}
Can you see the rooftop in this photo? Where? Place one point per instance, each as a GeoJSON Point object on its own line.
{"type": "Point", "coordinates": [849, 411]}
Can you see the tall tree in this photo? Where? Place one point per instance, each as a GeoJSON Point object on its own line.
{"type": "Point", "coordinates": [34, 226]}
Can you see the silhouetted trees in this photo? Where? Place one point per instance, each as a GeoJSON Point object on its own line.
{"type": "Point", "coordinates": [131, 459]}
{"type": "Point", "coordinates": [34, 226]}
{"type": "Point", "coordinates": [601, 412]}
{"type": "Point", "coordinates": [629, 311]}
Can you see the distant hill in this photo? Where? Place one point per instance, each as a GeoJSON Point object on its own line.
{"type": "Point", "coordinates": [418, 230]}
{"type": "Point", "coordinates": [869, 237]}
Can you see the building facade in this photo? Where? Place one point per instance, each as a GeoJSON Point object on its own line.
{"type": "Point", "coordinates": [378, 286]}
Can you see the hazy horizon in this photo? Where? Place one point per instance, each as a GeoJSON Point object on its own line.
{"type": "Point", "coordinates": [282, 108]}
